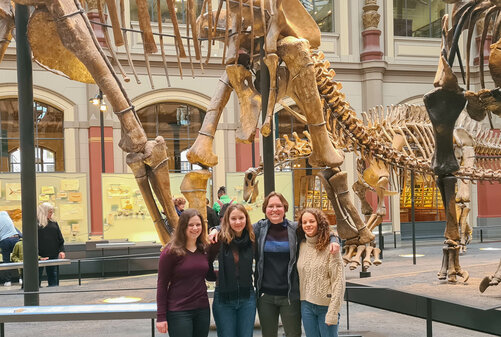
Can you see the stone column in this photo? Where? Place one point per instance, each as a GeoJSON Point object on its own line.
{"type": "Point", "coordinates": [370, 35]}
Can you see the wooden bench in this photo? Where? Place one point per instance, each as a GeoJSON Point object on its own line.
{"type": "Point", "coordinates": [78, 313]}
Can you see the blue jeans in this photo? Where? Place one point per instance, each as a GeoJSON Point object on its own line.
{"type": "Point", "coordinates": [234, 318]}
{"type": "Point", "coordinates": [52, 275]}
{"type": "Point", "coordinates": [7, 246]}
{"type": "Point", "coordinates": [314, 321]}
{"type": "Point", "coordinates": [188, 323]}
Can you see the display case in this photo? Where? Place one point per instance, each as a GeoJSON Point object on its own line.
{"type": "Point", "coordinates": [66, 191]}
{"type": "Point", "coordinates": [124, 211]}
{"type": "Point", "coordinates": [283, 184]}
{"type": "Point", "coordinates": [427, 201]}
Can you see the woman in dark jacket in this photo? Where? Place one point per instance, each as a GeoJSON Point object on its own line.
{"type": "Point", "coordinates": [275, 277]}
{"type": "Point", "coordinates": [234, 305]}
{"type": "Point", "coordinates": [50, 243]}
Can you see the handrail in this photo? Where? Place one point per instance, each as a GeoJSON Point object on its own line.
{"type": "Point", "coordinates": [431, 309]}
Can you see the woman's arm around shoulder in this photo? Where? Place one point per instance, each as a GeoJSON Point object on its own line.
{"type": "Point", "coordinates": [212, 252]}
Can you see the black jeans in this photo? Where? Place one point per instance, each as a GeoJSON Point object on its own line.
{"type": "Point", "coordinates": [189, 323]}
{"type": "Point", "coordinates": [52, 275]}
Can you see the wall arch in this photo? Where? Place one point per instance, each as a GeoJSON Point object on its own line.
{"type": "Point", "coordinates": [44, 95]}
{"type": "Point", "coordinates": [172, 95]}
{"type": "Point", "coordinates": [60, 102]}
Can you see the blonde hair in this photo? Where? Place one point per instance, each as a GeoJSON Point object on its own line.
{"type": "Point", "coordinates": [227, 233]}
{"type": "Point", "coordinates": [43, 213]}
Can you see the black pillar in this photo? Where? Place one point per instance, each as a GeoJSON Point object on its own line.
{"type": "Point", "coordinates": [27, 148]}
{"type": "Point", "coordinates": [101, 121]}
{"type": "Point", "coordinates": [413, 217]}
{"type": "Point", "coordinates": [268, 142]}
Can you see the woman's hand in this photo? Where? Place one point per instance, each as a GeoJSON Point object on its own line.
{"type": "Point", "coordinates": [44, 258]}
{"type": "Point", "coordinates": [334, 248]}
{"type": "Point", "coordinates": [213, 235]}
{"type": "Point", "coordinates": [162, 327]}
{"type": "Point", "coordinates": [62, 255]}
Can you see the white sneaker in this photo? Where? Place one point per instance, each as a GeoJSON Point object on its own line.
{"type": "Point", "coordinates": [21, 281]}
{"type": "Point", "coordinates": [7, 284]}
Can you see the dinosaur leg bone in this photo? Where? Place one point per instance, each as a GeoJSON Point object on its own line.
{"type": "Point", "coordinates": [345, 227]}
{"type": "Point", "coordinates": [194, 188]}
{"type": "Point", "coordinates": [447, 186]}
{"type": "Point", "coordinates": [367, 259]}
{"type": "Point", "coordinates": [442, 274]}
{"type": "Point", "coordinates": [156, 158]}
{"type": "Point", "coordinates": [249, 100]}
{"type": "Point", "coordinates": [376, 252]}
{"type": "Point", "coordinates": [349, 252]}
{"type": "Point", "coordinates": [135, 162]}
{"type": "Point", "coordinates": [381, 187]}
{"type": "Point", "coordinates": [302, 86]}
{"type": "Point", "coordinates": [360, 189]}
{"type": "Point", "coordinates": [77, 36]}
{"type": "Point", "coordinates": [355, 260]}
{"type": "Point", "coordinates": [271, 61]}
{"type": "Point", "coordinates": [201, 151]}
{"type": "Point", "coordinates": [339, 185]}
{"type": "Point", "coordinates": [492, 280]}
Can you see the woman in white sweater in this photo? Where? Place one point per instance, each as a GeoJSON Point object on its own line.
{"type": "Point", "coordinates": [321, 276]}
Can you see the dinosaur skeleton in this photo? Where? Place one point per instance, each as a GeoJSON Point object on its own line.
{"type": "Point", "coordinates": [288, 32]}
{"type": "Point", "coordinates": [407, 129]}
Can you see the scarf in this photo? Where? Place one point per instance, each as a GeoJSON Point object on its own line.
{"type": "Point", "coordinates": [235, 281]}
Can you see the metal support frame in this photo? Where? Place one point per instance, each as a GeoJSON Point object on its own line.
{"type": "Point", "coordinates": [413, 218]}
{"type": "Point", "coordinates": [268, 142]}
{"type": "Point", "coordinates": [27, 149]}
{"type": "Point", "coordinates": [430, 309]}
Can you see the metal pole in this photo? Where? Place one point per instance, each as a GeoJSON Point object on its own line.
{"type": "Point", "coordinates": [101, 119]}
{"type": "Point", "coordinates": [79, 273]}
{"type": "Point", "coordinates": [381, 239]}
{"type": "Point", "coordinates": [268, 151]}
{"type": "Point", "coordinates": [429, 319]}
{"type": "Point", "coordinates": [27, 148]}
{"type": "Point", "coordinates": [413, 219]}
{"type": "Point", "coordinates": [253, 154]}
{"type": "Point", "coordinates": [347, 310]}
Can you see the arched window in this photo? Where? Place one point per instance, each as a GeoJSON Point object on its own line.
{"type": "Point", "coordinates": [48, 134]}
{"type": "Point", "coordinates": [45, 160]}
{"type": "Point", "coordinates": [178, 123]}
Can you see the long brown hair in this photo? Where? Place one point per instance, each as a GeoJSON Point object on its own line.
{"type": "Point", "coordinates": [323, 227]}
{"type": "Point", "coordinates": [227, 233]}
{"type": "Point", "coordinates": [178, 243]}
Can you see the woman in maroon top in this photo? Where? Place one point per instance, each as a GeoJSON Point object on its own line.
{"type": "Point", "coordinates": [182, 302]}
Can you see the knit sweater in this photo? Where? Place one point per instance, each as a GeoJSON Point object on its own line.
{"type": "Point", "coordinates": [321, 278]}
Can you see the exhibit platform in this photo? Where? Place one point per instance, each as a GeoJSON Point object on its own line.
{"type": "Point", "coordinates": [400, 286]}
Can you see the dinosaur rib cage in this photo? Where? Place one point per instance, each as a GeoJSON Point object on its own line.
{"type": "Point", "coordinates": [349, 132]}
